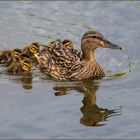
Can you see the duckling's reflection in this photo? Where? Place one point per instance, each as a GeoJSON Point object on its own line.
{"type": "Point", "coordinates": [26, 81]}
{"type": "Point", "coordinates": [92, 114]}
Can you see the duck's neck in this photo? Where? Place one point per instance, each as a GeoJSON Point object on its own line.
{"type": "Point", "coordinates": [88, 55]}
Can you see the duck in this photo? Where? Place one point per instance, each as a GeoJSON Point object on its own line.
{"type": "Point", "coordinates": [62, 64]}
{"type": "Point", "coordinates": [30, 50]}
{"type": "Point", "coordinates": [69, 44]}
{"type": "Point", "coordinates": [6, 56]}
{"type": "Point", "coordinates": [19, 66]}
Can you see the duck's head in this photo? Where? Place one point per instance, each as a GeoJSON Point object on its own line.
{"type": "Point", "coordinates": [16, 52]}
{"type": "Point", "coordinates": [34, 48]}
{"type": "Point", "coordinates": [26, 64]}
{"type": "Point", "coordinates": [7, 53]}
{"type": "Point", "coordinates": [92, 40]}
{"type": "Point", "coordinates": [5, 56]}
{"type": "Point", "coordinates": [24, 56]}
{"type": "Point", "coordinates": [67, 43]}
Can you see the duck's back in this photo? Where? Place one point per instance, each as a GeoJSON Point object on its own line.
{"type": "Point", "coordinates": [63, 64]}
{"type": "Point", "coordinates": [56, 60]}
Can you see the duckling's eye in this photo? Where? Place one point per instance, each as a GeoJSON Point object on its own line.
{"type": "Point", "coordinates": [67, 45]}
{"type": "Point", "coordinates": [34, 47]}
{"type": "Point", "coordinates": [15, 53]}
{"type": "Point", "coordinates": [26, 64]}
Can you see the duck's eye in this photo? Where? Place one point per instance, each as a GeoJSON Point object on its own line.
{"type": "Point", "coordinates": [97, 37]}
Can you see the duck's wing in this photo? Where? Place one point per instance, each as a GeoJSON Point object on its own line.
{"type": "Point", "coordinates": [84, 70]}
{"type": "Point", "coordinates": [56, 60]}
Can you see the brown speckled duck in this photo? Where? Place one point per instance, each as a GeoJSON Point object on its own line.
{"type": "Point", "coordinates": [61, 63]}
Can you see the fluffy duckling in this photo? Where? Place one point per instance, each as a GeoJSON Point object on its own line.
{"type": "Point", "coordinates": [31, 50]}
{"type": "Point", "coordinates": [7, 56]}
{"type": "Point", "coordinates": [69, 44]}
{"type": "Point", "coordinates": [19, 66]}
{"type": "Point", "coordinates": [4, 56]}
{"type": "Point", "coordinates": [14, 53]}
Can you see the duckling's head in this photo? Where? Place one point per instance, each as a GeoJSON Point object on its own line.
{"type": "Point", "coordinates": [24, 56]}
{"type": "Point", "coordinates": [34, 48]}
{"type": "Point", "coordinates": [93, 39]}
{"type": "Point", "coordinates": [26, 64]}
{"type": "Point", "coordinates": [7, 53]}
{"type": "Point", "coordinates": [67, 43]}
{"type": "Point", "coordinates": [16, 52]}
{"type": "Point", "coordinates": [5, 56]}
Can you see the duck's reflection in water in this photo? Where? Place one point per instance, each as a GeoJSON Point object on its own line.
{"type": "Point", "coordinates": [26, 81]}
{"type": "Point", "coordinates": [92, 114]}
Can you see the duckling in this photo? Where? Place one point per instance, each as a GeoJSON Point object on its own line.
{"type": "Point", "coordinates": [14, 53]}
{"type": "Point", "coordinates": [19, 66]}
{"type": "Point", "coordinates": [69, 44]}
{"type": "Point", "coordinates": [30, 50]}
{"type": "Point", "coordinates": [4, 56]}
{"type": "Point", "coordinates": [61, 64]}
{"type": "Point", "coordinates": [7, 55]}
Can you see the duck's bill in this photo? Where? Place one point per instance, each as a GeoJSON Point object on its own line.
{"type": "Point", "coordinates": [111, 45]}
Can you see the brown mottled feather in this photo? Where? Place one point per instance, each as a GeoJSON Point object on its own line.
{"type": "Point", "coordinates": [62, 63]}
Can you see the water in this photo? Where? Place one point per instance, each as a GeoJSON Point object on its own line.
{"type": "Point", "coordinates": [34, 107]}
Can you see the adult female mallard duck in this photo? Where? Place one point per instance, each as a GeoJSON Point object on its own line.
{"type": "Point", "coordinates": [62, 64]}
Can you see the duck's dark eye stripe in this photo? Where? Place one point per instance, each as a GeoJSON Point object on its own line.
{"type": "Point", "coordinates": [93, 36]}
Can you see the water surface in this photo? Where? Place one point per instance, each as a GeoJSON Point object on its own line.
{"type": "Point", "coordinates": [35, 107]}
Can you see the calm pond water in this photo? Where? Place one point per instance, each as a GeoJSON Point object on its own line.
{"type": "Point", "coordinates": [34, 107]}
